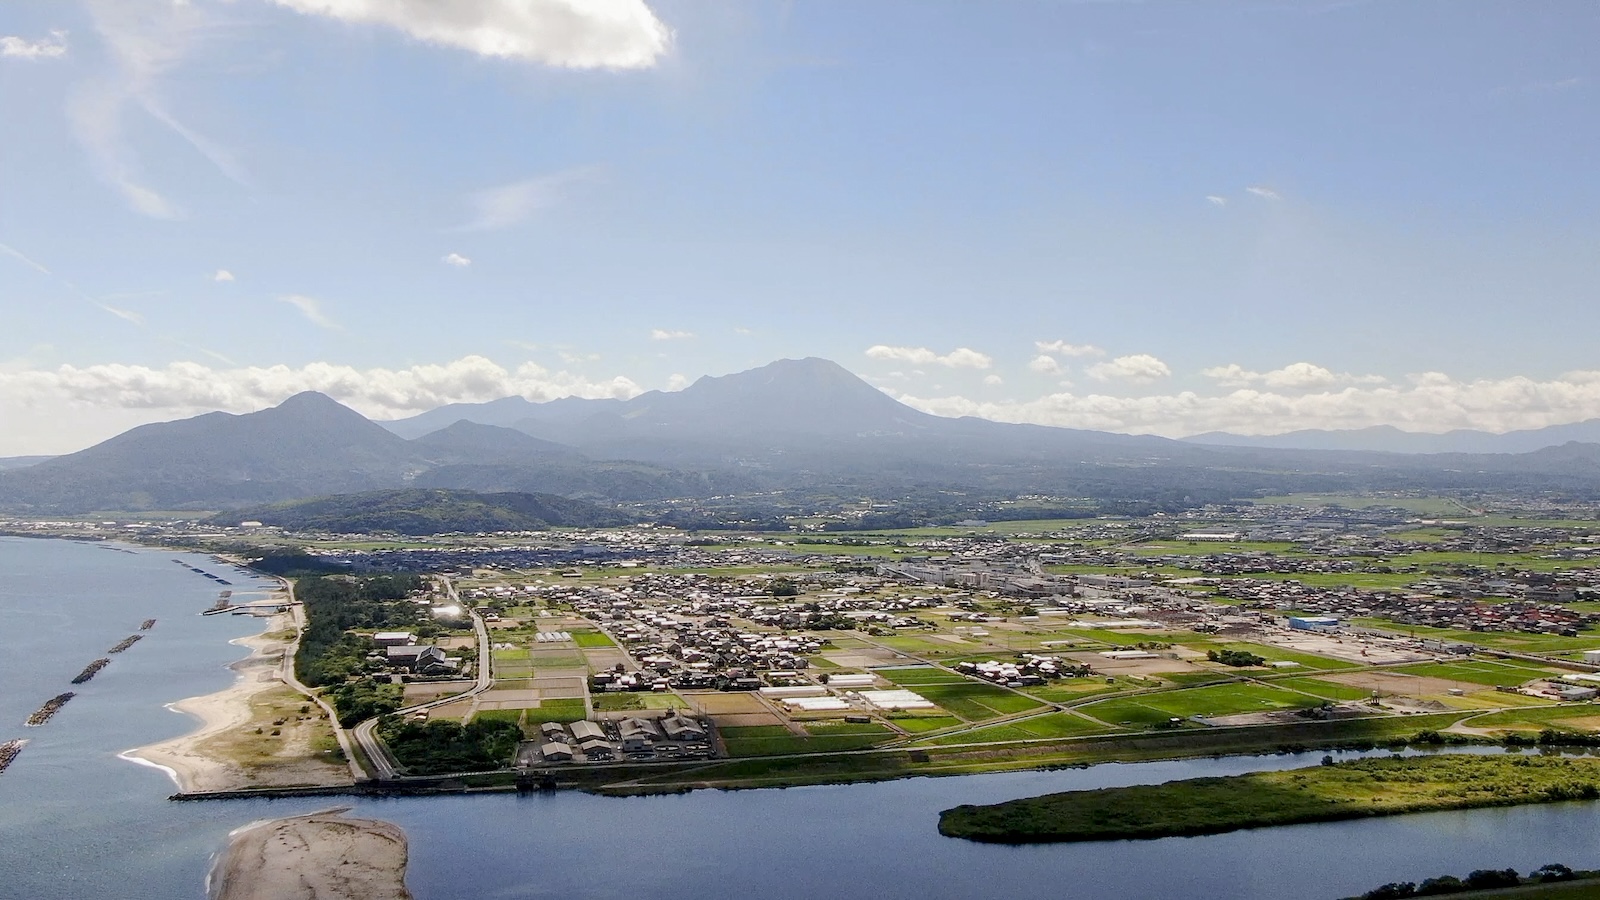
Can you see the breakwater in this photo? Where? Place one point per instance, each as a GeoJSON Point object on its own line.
{"type": "Point", "coordinates": [8, 752]}
{"type": "Point", "coordinates": [50, 708]}
{"type": "Point", "coordinates": [148, 624]}
{"type": "Point", "coordinates": [125, 643]}
{"type": "Point", "coordinates": [91, 670]}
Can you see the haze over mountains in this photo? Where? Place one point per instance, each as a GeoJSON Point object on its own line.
{"type": "Point", "coordinates": [794, 425]}
{"type": "Point", "coordinates": [1388, 439]}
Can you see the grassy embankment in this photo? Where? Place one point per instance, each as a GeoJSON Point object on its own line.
{"type": "Point", "coordinates": [1349, 790]}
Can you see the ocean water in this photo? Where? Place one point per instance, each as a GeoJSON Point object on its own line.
{"type": "Point", "coordinates": [78, 822]}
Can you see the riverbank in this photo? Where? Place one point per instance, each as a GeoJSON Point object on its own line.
{"type": "Point", "coordinates": [321, 856]}
{"type": "Point", "coordinates": [1348, 790]}
{"type": "Point", "coordinates": [257, 732]}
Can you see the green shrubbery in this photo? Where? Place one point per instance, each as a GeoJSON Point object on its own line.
{"type": "Point", "coordinates": [431, 748]}
{"type": "Point", "coordinates": [364, 698]}
{"type": "Point", "coordinates": [328, 653]}
{"type": "Point", "coordinates": [1235, 657]}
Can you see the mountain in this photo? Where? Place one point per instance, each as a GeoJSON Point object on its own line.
{"type": "Point", "coordinates": [1388, 439]}
{"type": "Point", "coordinates": [506, 412]}
{"type": "Point", "coordinates": [21, 462]}
{"type": "Point", "coordinates": [308, 445]}
{"type": "Point", "coordinates": [423, 512]}
{"type": "Point", "coordinates": [466, 441]}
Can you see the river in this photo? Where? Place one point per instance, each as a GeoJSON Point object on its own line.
{"type": "Point", "coordinates": [78, 822]}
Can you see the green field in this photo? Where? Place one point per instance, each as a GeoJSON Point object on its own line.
{"type": "Point", "coordinates": [1280, 654]}
{"type": "Point", "coordinates": [970, 699]}
{"type": "Point", "coordinates": [1217, 700]}
{"type": "Point", "coordinates": [1326, 689]}
{"type": "Point", "coordinates": [1534, 718]}
{"type": "Point", "coordinates": [776, 740]}
{"type": "Point", "coordinates": [1052, 725]}
{"type": "Point", "coordinates": [592, 639]}
{"type": "Point", "coordinates": [920, 724]}
{"type": "Point", "coordinates": [1348, 790]}
{"type": "Point", "coordinates": [1500, 640]}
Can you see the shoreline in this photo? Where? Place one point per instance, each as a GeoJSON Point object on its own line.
{"type": "Point", "coordinates": [195, 768]}
{"type": "Point", "coordinates": [320, 856]}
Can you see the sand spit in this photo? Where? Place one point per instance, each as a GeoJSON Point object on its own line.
{"type": "Point", "coordinates": [321, 856]}
{"type": "Point", "coordinates": [198, 762]}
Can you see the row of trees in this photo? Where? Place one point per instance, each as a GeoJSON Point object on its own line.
{"type": "Point", "coordinates": [432, 748]}
{"type": "Point", "coordinates": [334, 604]}
{"type": "Point", "coordinates": [1480, 880]}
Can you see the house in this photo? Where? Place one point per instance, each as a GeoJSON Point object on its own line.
{"type": "Point", "coordinates": [394, 638]}
{"type": "Point", "coordinates": [586, 730]}
{"type": "Point", "coordinates": [638, 735]}
{"type": "Point", "coordinates": [679, 727]}
{"type": "Point", "coordinates": [422, 660]}
{"type": "Point", "coordinates": [556, 751]}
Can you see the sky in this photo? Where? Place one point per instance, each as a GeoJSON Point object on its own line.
{"type": "Point", "coordinates": [1148, 217]}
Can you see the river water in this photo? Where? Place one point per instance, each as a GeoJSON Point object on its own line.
{"type": "Point", "coordinates": [78, 822]}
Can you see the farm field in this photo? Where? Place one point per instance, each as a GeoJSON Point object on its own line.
{"type": "Point", "coordinates": [1155, 709]}
{"type": "Point", "coordinates": [1053, 725]}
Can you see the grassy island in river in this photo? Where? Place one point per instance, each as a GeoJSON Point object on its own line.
{"type": "Point", "coordinates": [1347, 790]}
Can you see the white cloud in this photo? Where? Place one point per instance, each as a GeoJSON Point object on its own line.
{"type": "Point", "coordinates": [146, 40]}
{"type": "Point", "coordinates": [1295, 376]}
{"type": "Point", "coordinates": [678, 382]}
{"type": "Point", "coordinates": [222, 275]}
{"type": "Point", "coordinates": [1215, 200]}
{"type": "Point", "coordinates": [662, 334]}
{"type": "Point", "coordinates": [105, 399]}
{"type": "Point", "coordinates": [1065, 349]}
{"type": "Point", "coordinates": [959, 358]}
{"type": "Point", "coordinates": [510, 204]}
{"type": "Point", "coordinates": [52, 47]}
{"type": "Point", "coordinates": [311, 308]}
{"type": "Point", "coordinates": [1139, 368]}
{"type": "Point", "coordinates": [455, 259]}
{"type": "Point", "coordinates": [1045, 365]}
{"type": "Point", "coordinates": [18, 255]}
{"type": "Point", "coordinates": [1264, 193]}
{"type": "Point", "coordinates": [1431, 402]}
{"type": "Point", "coordinates": [993, 380]}
{"type": "Point", "coordinates": [123, 314]}
{"type": "Point", "coordinates": [591, 34]}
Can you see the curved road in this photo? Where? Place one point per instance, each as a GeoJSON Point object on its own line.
{"type": "Point", "coordinates": [298, 613]}
{"type": "Point", "coordinates": [384, 766]}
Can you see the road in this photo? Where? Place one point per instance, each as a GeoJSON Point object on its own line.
{"type": "Point", "coordinates": [298, 613]}
{"type": "Point", "coordinates": [384, 765]}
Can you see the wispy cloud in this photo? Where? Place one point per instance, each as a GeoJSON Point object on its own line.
{"type": "Point", "coordinates": [959, 358]}
{"type": "Point", "coordinates": [124, 314]}
{"type": "Point", "coordinates": [1540, 87]}
{"type": "Point", "coordinates": [1264, 193]}
{"type": "Point", "coordinates": [510, 204]}
{"type": "Point", "coordinates": [1217, 200]}
{"type": "Point", "coordinates": [222, 275]}
{"type": "Point", "coordinates": [455, 259]}
{"type": "Point", "coordinates": [18, 255]}
{"type": "Point", "coordinates": [146, 40]}
{"type": "Point", "coordinates": [311, 308]}
{"type": "Point", "coordinates": [664, 334]}
{"type": "Point", "coordinates": [595, 34]}
{"type": "Point", "coordinates": [52, 47]}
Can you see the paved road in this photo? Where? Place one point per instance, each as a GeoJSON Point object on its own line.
{"type": "Point", "coordinates": [386, 769]}
{"type": "Point", "coordinates": [298, 613]}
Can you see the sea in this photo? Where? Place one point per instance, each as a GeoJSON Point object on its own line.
{"type": "Point", "coordinates": [79, 821]}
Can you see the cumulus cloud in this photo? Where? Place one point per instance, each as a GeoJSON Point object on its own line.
{"type": "Point", "coordinates": [1430, 402]}
{"type": "Point", "coordinates": [569, 34]}
{"type": "Point", "coordinates": [1295, 376]}
{"type": "Point", "coordinates": [222, 275]}
{"type": "Point", "coordinates": [1139, 368]}
{"type": "Point", "coordinates": [1045, 365]}
{"type": "Point", "coordinates": [311, 308]}
{"type": "Point", "coordinates": [993, 380]}
{"type": "Point", "coordinates": [1264, 193]}
{"type": "Point", "coordinates": [510, 204]}
{"type": "Point", "coordinates": [455, 259]}
{"type": "Point", "coordinates": [678, 381]}
{"type": "Point", "coordinates": [52, 47]}
{"type": "Point", "coordinates": [663, 334]}
{"type": "Point", "coordinates": [1062, 348]}
{"type": "Point", "coordinates": [119, 396]}
{"type": "Point", "coordinates": [959, 358]}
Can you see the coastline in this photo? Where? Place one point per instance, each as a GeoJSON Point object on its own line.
{"type": "Point", "coordinates": [196, 761]}
{"type": "Point", "coordinates": [320, 856]}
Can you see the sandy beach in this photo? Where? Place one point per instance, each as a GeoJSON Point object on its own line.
{"type": "Point", "coordinates": [226, 752]}
{"type": "Point", "coordinates": [321, 856]}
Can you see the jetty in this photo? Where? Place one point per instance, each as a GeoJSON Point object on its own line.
{"type": "Point", "coordinates": [148, 624]}
{"type": "Point", "coordinates": [8, 753]}
{"type": "Point", "coordinates": [125, 643]}
{"type": "Point", "coordinates": [50, 708]}
{"type": "Point", "coordinates": [92, 669]}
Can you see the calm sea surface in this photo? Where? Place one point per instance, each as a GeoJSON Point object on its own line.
{"type": "Point", "coordinates": [77, 822]}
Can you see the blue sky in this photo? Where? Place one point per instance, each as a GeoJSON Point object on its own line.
{"type": "Point", "coordinates": [1162, 217]}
